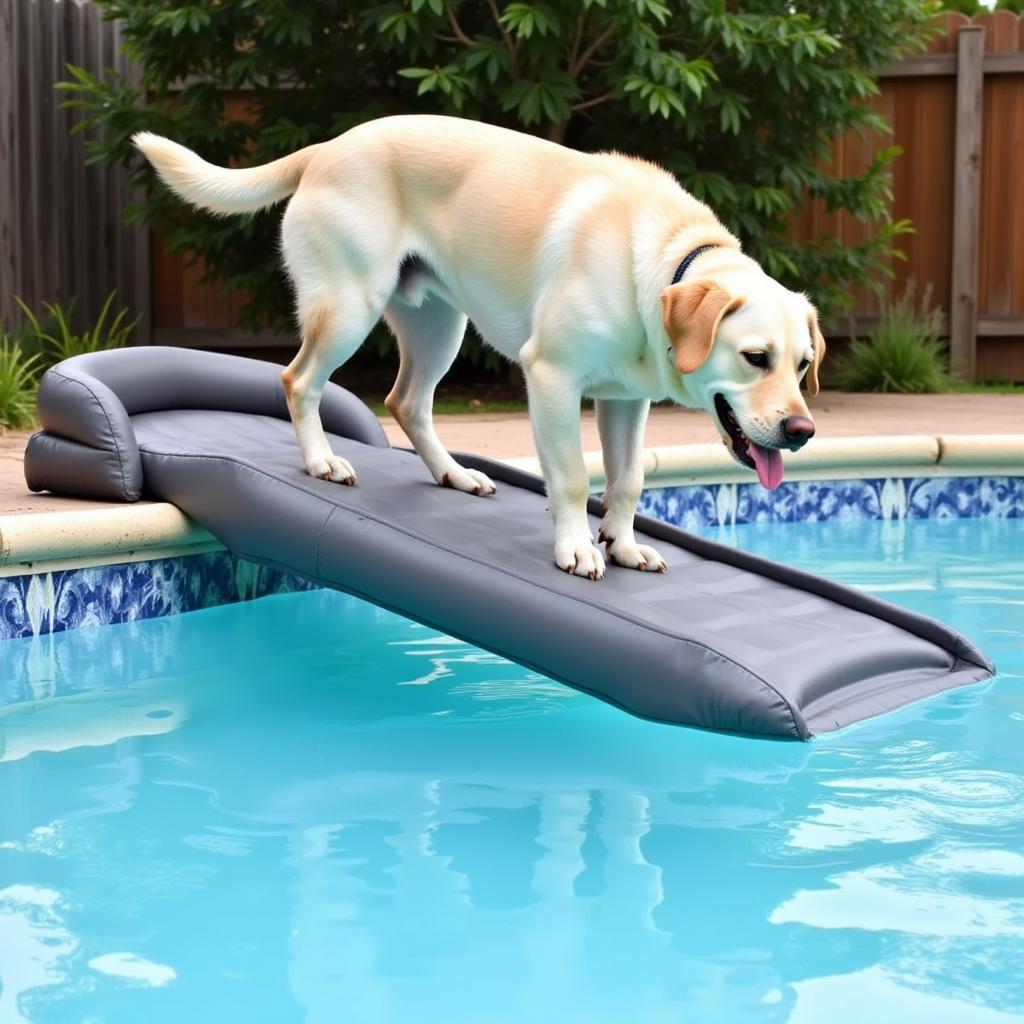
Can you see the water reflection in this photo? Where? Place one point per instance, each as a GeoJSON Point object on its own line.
{"type": "Point", "coordinates": [895, 994]}
{"type": "Point", "coordinates": [35, 946]}
{"type": "Point", "coordinates": [322, 832]}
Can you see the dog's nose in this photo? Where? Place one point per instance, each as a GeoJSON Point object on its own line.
{"type": "Point", "coordinates": [798, 430]}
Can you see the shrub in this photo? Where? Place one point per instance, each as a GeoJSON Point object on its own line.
{"type": "Point", "coordinates": [18, 383]}
{"type": "Point", "coordinates": [53, 338]}
{"type": "Point", "coordinates": [28, 336]}
{"type": "Point", "coordinates": [904, 353]}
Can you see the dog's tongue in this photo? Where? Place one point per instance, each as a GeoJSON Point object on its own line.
{"type": "Point", "coordinates": [768, 462]}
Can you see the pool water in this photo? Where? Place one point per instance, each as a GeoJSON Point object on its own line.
{"type": "Point", "coordinates": [305, 809]}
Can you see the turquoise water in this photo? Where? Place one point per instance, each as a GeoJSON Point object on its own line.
{"type": "Point", "coordinates": [306, 809]}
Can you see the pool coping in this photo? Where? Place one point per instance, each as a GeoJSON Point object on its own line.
{"type": "Point", "coordinates": [45, 541]}
{"type": "Point", "coordinates": [841, 458]}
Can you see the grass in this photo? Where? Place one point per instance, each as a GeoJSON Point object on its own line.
{"type": "Point", "coordinates": [991, 387]}
{"type": "Point", "coordinates": [462, 406]}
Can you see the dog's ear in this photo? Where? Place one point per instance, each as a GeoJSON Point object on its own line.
{"type": "Point", "coordinates": [819, 353]}
{"type": "Point", "coordinates": [691, 314]}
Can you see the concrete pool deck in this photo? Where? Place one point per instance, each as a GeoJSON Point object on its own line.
{"type": "Point", "coordinates": [837, 414]}
{"type": "Point", "coordinates": [859, 435]}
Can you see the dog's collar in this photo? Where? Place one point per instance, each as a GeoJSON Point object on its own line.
{"type": "Point", "coordinates": [688, 259]}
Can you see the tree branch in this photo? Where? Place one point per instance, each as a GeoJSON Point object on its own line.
{"type": "Point", "coordinates": [460, 36]}
{"type": "Point", "coordinates": [512, 44]}
{"type": "Point", "coordinates": [593, 101]}
{"type": "Point", "coordinates": [577, 38]}
{"type": "Point", "coordinates": [584, 58]}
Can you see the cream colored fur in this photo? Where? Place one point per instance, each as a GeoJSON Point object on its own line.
{"type": "Point", "coordinates": [562, 260]}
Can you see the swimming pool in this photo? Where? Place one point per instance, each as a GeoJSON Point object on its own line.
{"type": "Point", "coordinates": [302, 808]}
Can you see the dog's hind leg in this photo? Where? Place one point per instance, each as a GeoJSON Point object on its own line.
{"type": "Point", "coordinates": [342, 253]}
{"type": "Point", "coordinates": [332, 329]}
{"type": "Point", "coordinates": [428, 336]}
{"type": "Point", "coordinates": [621, 426]}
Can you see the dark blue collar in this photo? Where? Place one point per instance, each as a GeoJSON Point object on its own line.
{"type": "Point", "coordinates": [688, 259]}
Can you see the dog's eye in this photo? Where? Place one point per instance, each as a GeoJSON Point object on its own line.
{"type": "Point", "coordinates": [804, 363]}
{"type": "Point", "coordinates": [758, 359]}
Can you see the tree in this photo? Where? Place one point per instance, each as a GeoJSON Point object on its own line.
{"type": "Point", "coordinates": [968, 7]}
{"type": "Point", "coordinates": [740, 104]}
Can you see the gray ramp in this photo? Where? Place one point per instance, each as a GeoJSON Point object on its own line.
{"type": "Point", "coordinates": [725, 640]}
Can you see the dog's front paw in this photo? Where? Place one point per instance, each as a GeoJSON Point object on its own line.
{"type": "Point", "coordinates": [635, 556]}
{"type": "Point", "coordinates": [580, 559]}
{"type": "Point", "coordinates": [332, 467]}
{"type": "Point", "coordinates": [472, 481]}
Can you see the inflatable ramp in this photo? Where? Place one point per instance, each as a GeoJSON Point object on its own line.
{"type": "Point", "coordinates": [724, 640]}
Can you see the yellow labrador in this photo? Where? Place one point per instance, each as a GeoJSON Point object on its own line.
{"type": "Point", "coordinates": [596, 272]}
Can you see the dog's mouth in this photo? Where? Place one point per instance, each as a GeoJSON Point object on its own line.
{"type": "Point", "coordinates": [766, 462]}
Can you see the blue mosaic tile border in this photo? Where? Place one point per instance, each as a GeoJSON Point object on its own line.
{"type": "Point", "coordinates": [71, 598]}
{"type": "Point", "coordinates": [999, 497]}
{"type": "Point", "coordinates": [49, 602]}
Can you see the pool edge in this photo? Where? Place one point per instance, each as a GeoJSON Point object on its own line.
{"type": "Point", "coordinates": [44, 554]}
{"type": "Point", "coordinates": [33, 542]}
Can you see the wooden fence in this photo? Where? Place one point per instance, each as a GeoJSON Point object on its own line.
{"type": "Point", "coordinates": [61, 232]}
{"type": "Point", "coordinates": [957, 111]}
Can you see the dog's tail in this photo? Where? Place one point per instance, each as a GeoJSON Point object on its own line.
{"type": "Point", "coordinates": [222, 189]}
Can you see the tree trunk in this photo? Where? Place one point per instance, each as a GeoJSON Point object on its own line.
{"type": "Point", "coordinates": [556, 131]}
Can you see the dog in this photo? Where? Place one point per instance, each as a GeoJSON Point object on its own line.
{"type": "Point", "coordinates": [596, 272]}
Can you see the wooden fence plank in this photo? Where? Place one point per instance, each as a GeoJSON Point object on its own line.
{"type": "Point", "coordinates": [1015, 224]}
{"type": "Point", "coordinates": [27, 87]}
{"type": "Point", "coordinates": [8, 203]}
{"type": "Point", "coordinates": [921, 67]}
{"type": "Point", "coordinates": [966, 201]}
{"type": "Point", "coordinates": [999, 169]}
{"type": "Point", "coordinates": [91, 215]}
{"type": "Point", "coordinates": [945, 64]}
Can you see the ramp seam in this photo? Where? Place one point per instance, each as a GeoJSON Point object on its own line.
{"type": "Point", "coordinates": [320, 537]}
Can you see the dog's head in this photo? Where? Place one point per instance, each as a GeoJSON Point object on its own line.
{"type": "Point", "coordinates": [743, 345]}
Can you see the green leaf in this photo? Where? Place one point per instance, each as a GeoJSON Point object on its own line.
{"type": "Point", "coordinates": [491, 53]}
{"type": "Point", "coordinates": [428, 83]}
{"type": "Point", "coordinates": [655, 8]}
{"type": "Point", "coordinates": [522, 19]}
{"type": "Point", "coordinates": [529, 107]}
